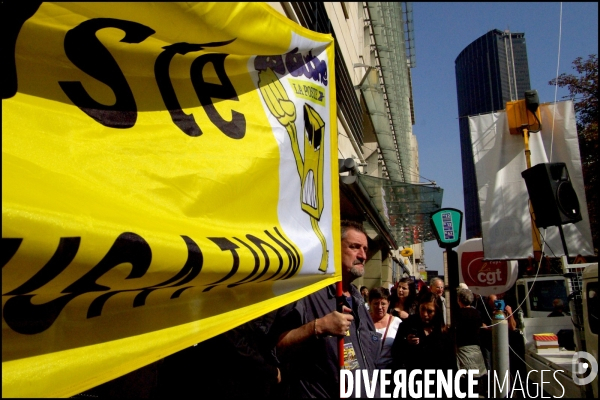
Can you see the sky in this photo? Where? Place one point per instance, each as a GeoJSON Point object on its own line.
{"type": "Point", "coordinates": [441, 32]}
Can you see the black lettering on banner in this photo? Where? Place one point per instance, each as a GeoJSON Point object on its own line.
{"type": "Point", "coordinates": [295, 63]}
{"type": "Point", "coordinates": [192, 266]}
{"type": "Point", "coordinates": [14, 15]}
{"type": "Point", "coordinates": [128, 248]}
{"type": "Point", "coordinates": [294, 256]}
{"type": "Point", "coordinates": [84, 50]}
{"type": "Point", "coordinates": [258, 242]}
{"type": "Point", "coordinates": [190, 270]}
{"type": "Point", "coordinates": [64, 254]}
{"type": "Point", "coordinates": [261, 63]}
{"type": "Point", "coordinates": [236, 128]}
{"type": "Point", "coordinates": [226, 245]}
{"type": "Point", "coordinates": [317, 69]}
{"type": "Point", "coordinates": [9, 248]}
{"type": "Point", "coordinates": [279, 256]}
{"type": "Point", "coordinates": [309, 66]}
{"type": "Point", "coordinates": [95, 308]}
{"type": "Point", "coordinates": [256, 264]}
{"type": "Point", "coordinates": [27, 318]}
{"type": "Point", "coordinates": [40, 318]}
{"type": "Point", "coordinates": [178, 292]}
{"type": "Point", "coordinates": [24, 317]}
{"type": "Point", "coordinates": [185, 122]}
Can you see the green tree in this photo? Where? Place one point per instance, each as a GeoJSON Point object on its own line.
{"type": "Point", "coordinates": [583, 89]}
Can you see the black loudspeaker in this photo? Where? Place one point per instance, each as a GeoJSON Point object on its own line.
{"type": "Point", "coordinates": [552, 196]}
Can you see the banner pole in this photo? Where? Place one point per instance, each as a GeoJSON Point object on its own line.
{"type": "Point", "coordinates": [537, 250]}
{"type": "Point", "coordinates": [341, 338]}
{"type": "Point", "coordinates": [339, 294]}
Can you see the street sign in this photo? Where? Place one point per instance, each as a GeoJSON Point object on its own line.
{"type": "Point", "coordinates": [447, 224]}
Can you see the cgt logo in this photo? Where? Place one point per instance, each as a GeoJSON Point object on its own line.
{"type": "Point", "coordinates": [584, 363]}
{"type": "Point", "coordinates": [483, 273]}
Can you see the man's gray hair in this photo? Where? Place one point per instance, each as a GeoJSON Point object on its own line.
{"type": "Point", "coordinates": [347, 224]}
{"type": "Point", "coordinates": [465, 296]}
{"type": "Point", "coordinates": [433, 280]}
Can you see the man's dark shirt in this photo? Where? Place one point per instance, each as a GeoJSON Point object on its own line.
{"type": "Point", "coordinates": [312, 368]}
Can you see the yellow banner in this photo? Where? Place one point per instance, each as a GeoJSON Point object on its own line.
{"type": "Point", "coordinates": [169, 171]}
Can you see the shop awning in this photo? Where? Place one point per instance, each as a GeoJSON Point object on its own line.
{"type": "Point", "coordinates": [405, 208]}
{"type": "Point", "coordinates": [398, 211]}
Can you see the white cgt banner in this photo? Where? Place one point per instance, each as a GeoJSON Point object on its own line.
{"type": "Point", "coordinates": [499, 160]}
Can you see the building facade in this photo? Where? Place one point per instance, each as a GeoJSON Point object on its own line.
{"type": "Point", "coordinates": [490, 71]}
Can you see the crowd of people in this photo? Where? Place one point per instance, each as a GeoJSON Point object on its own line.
{"type": "Point", "coordinates": [292, 352]}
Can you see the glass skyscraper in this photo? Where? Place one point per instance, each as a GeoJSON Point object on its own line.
{"type": "Point", "coordinates": [489, 72]}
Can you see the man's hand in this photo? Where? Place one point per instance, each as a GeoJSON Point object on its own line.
{"type": "Point", "coordinates": [335, 323]}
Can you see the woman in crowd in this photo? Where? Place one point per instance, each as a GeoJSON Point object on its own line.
{"type": "Point", "coordinates": [404, 301]}
{"type": "Point", "coordinates": [466, 328]}
{"type": "Point", "coordinates": [385, 323]}
{"type": "Point", "coordinates": [423, 342]}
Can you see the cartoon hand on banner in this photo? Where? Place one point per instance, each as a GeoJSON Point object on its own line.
{"type": "Point", "coordinates": [310, 168]}
{"type": "Point", "coordinates": [281, 107]}
{"type": "Point", "coordinates": [276, 98]}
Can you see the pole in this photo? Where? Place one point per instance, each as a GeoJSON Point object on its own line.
{"type": "Point", "coordinates": [562, 239]}
{"type": "Point", "coordinates": [453, 267]}
{"type": "Point", "coordinates": [537, 250]}
{"type": "Point", "coordinates": [500, 360]}
{"type": "Point", "coordinates": [527, 151]}
{"type": "Point", "coordinates": [339, 294]}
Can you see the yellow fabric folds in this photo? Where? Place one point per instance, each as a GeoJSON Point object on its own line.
{"type": "Point", "coordinates": [168, 173]}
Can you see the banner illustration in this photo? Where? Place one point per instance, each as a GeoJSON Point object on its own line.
{"type": "Point", "coordinates": [310, 167]}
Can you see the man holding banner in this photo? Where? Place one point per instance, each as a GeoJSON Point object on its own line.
{"type": "Point", "coordinates": [311, 328]}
